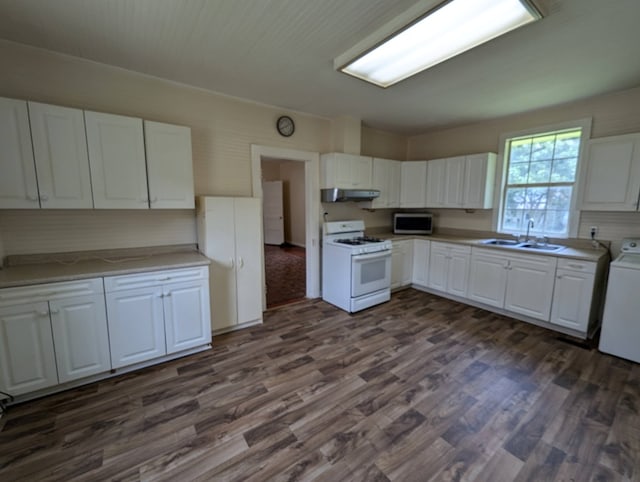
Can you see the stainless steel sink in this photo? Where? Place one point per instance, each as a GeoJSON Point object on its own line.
{"type": "Point", "coordinates": [501, 242]}
{"type": "Point", "coordinates": [541, 247]}
{"type": "Point", "coordinates": [512, 243]}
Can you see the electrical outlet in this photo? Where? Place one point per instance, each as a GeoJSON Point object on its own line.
{"type": "Point", "coordinates": [593, 230]}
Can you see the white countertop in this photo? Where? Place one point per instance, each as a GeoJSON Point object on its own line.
{"type": "Point", "coordinates": [117, 263]}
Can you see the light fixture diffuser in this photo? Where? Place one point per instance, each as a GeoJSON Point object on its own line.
{"type": "Point", "coordinates": [449, 30]}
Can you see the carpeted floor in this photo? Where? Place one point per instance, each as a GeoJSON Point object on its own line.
{"type": "Point", "coordinates": [285, 271]}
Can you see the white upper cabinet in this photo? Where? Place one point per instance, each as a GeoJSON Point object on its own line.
{"type": "Point", "coordinates": [60, 151]}
{"type": "Point", "coordinates": [169, 165]}
{"type": "Point", "coordinates": [117, 158]}
{"type": "Point", "coordinates": [386, 179]}
{"type": "Point", "coordinates": [612, 179]}
{"type": "Point", "coordinates": [479, 181]}
{"type": "Point", "coordinates": [18, 185]}
{"type": "Point", "coordinates": [346, 171]}
{"type": "Point", "coordinates": [413, 184]}
{"type": "Point", "coordinates": [461, 182]}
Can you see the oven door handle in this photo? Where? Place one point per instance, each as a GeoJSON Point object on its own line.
{"type": "Point", "coordinates": [368, 257]}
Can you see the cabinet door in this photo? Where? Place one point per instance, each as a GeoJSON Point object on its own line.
{"type": "Point", "coordinates": [393, 199]}
{"type": "Point", "coordinates": [381, 179]}
{"type": "Point", "coordinates": [361, 172]}
{"type": "Point", "coordinates": [397, 265]}
{"type": "Point", "coordinates": [479, 180]}
{"type": "Point", "coordinates": [438, 267]}
{"type": "Point", "coordinates": [407, 262]}
{"type": "Point", "coordinates": [169, 165]}
{"type": "Point", "coordinates": [60, 151]}
{"type": "Point", "coordinates": [18, 186]}
{"type": "Point", "coordinates": [454, 187]}
{"type": "Point", "coordinates": [487, 279]}
{"type": "Point", "coordinates": [80, 334]}
{"type": "Point", "coordinates": [27, 360]}
{"type": "Point", "coordinates": [436, 183]}
{"type": "Point", "coordinates": [116, 156]}
{"type": "Point", "coordinates": [530, 286]}
{"type": "Point", "coordinates": [136, 326]}
{"type": "Point", "coordinates": [249, 258]}
{"type": "Point", "coordinates": [612, 178]}
{"type": "Point", "coordinates": [186, 315]}
{"type": "Point", "coordinates": [572, 299]}
{"type": "Point", "coordinates": [420, 274]}
{"type": "Point", "coordinates": [458, 271]}
{"type": "Point", "coordinates": [413, 184]}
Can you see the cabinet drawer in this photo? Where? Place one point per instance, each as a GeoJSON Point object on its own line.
{"type": "Point", "coordinates": [154, 278]}
{"type": "Point", "coordinates": [50, 291]}
{"type": "Point", "coordinates": [575, 265]}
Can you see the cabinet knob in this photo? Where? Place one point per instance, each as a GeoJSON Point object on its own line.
{"type": "Point", "coordinates": [32, 198]}
{"type": "Point", "coordinates": [241, 262]}
{"type": "Point", "coordinates": [160, 295]}
{"type": "Point", "coordinates": [167, 294]}
{"type": "Point", "coordinates": [44, 197]}
{"type": "Point", "coordinates": [559, 276]}
{"type": "Point", "coordinates": [55, 311]}
{"type": "Point", "coordinates": [231, 262]}
{"type": "Point", "coordinates": [144, 200]}
{"type": "Point", "coordinates": [43, 313]}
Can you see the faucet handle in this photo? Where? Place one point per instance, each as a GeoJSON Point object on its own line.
{"type": "Point", "coordinates": [545, 239]}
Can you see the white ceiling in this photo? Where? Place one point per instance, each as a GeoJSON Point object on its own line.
{"type": "Point", "coordinates": [280, 52]}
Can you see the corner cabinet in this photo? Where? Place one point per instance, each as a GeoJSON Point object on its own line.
{"type": "Point", "coordinates": [158, 313]}
{"type": "Point", "coordinates": [346, 171]}
{"type": "Point", "coordinates": [413, 184]}
{"type": "Point", "coordinates": [18, 185]}
{"type": "Point", "coordinates": [230, 234]}
{"type": "Point", "coordinates": [612, 179]}
{"type": "Point", "coordinates": [51, 334]}
{"type": "Point", "coordinates": [117, 159]}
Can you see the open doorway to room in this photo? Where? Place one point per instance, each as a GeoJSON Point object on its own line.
{"type": "Point", "coordinates": [283, 207]}
{"type": "Point", "coordinates": [299, 172]}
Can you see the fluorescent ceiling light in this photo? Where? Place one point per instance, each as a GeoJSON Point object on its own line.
{"type": "Point", "coordinates": [452, 28]}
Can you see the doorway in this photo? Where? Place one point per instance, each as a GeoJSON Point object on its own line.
{"type": "Point", "coordinates": [283, 208]}
{"type": "Point", "coordinates": [309, 162]}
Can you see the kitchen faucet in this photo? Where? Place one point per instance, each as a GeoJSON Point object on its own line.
{"type": "Point", "coordinates": [529, 226]}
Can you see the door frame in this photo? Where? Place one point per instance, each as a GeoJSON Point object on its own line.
{"type": "Point", "coordinates": [312, 204]}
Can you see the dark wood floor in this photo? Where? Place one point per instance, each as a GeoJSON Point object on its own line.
{"type": "Point", "coordinates": [420, 388]}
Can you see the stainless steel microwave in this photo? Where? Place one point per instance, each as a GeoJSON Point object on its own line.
{"type": "Point", "coordinates": [412, 223]}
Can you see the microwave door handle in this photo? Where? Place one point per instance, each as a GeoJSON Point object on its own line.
{"type": "Point", "coordinates": [368, 257]}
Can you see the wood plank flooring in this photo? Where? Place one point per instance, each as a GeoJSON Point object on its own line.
{"type": "Point", "coordinates": [420, 388]}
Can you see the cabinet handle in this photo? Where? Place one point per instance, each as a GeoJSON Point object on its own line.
{"type": "Point", "coordinates": [144, 200]}
{"type": "Point", "coordinates": [55, 311]}
{"type": "Point", "coordinates": [32, 198]}
{"type": "Point", "coordinates": [167, 294]}
{"type": "Point", "coordinates": [241, 261]}
{"type": "Point", "coordinates": [154, 200]}
{"type": "Point", "coordinates": [576, 266]}
{"type": "Point", "coordinates": [232, 262]}
{"type": "Point", "coordinates": [559, 276]}
{"type": "Point", "coordinates": [44, 197]}
{"type": "Point", "coordinates": [160, 295]}
{"type": "Point", "coordinates": [165, 279]}
{"type": "Point", "coordinates": [43, 313]}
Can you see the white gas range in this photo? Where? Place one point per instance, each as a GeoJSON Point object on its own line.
{"type": "Point", "coordinates": [356, 269]}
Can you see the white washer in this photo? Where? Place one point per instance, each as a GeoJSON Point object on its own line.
{"type": "Point", "coordinates": [620, 334]}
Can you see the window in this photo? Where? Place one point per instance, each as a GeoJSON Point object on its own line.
{"type": "Point", "coordinates": [540, 182]}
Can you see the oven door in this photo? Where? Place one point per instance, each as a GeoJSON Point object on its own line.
{"type": "Point", "coordinates": [370, 273]}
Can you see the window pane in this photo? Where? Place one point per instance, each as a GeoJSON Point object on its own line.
{"type": "Point", "coordinates": [557, 222]}
{"type": "Point", "coordinates": [564, 170]}
{"type": "Point", "coordinates": [542, 148]}
{"type": "Point", "coordinates": [518, 173]}
{"type": "Point", "coordinates": [567, 145]}
{"type": "Point", "coordinates": [516, 198]}
{"type": "Point", "coordinates": [513, 219]}
{"type": "Point", "coordinates": [520, 151]}
{"type": "Point", "coordinates": [536, 198]}
{"type": "Point", "coordinates": [559, 198]}
{"type": "Point", "coordinates": [539, 172]}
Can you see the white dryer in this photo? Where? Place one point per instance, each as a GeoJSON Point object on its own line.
{"type": "Point", "coordinates": [620, 334]}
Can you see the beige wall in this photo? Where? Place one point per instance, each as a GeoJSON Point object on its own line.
{"type": "Point", "coordinates": [611, 114]}
{"type": "Point", "coordinates": [383, 144]}
{"type": "Point", "coordinates": [291, 173]}
{"type": "Point", "coordinates": [222, 127]}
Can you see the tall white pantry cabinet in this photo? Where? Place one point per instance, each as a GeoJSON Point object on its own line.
{"type": "Point", "coordinates": [230, 234]}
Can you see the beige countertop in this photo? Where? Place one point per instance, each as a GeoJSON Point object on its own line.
{"type": "Point", "coordinates": [39, 269]}
{"type": "Point", "coordinates": [582, 252]}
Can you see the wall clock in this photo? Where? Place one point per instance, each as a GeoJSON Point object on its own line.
{"type": "Point", "coordinates": [285, 126]}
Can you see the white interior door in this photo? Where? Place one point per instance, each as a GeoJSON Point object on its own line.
{"type": "Point", "coordinates": [273, 212]}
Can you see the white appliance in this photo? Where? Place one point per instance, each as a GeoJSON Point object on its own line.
{"type": "Point", "coordinates": [621, 320]}
{"type": "Point", "coordinates": [356, 269]}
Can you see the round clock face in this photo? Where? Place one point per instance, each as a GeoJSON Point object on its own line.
{"type": "Point", "coordinates": [285, 126]}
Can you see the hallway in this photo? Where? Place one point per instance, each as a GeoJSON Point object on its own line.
{"type": "Point", "coordinates": [285, 273]}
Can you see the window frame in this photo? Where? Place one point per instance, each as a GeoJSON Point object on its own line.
{"type": "Point", "coordinates": [502, 164]}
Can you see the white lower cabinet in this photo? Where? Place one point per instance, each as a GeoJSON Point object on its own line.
{"type": "Point", "coordinates": [401, 263]}
{"type": "Point", "coordinates": [518, 283]}
{"type": "Point", "coordinates": [154, 314]}
{"type": "Point", "coordinates": [420, 262]}
{"type": "Point", "coordinates": [52, 333]}
{"type": "Point", "coordinates": [449, 267]}
{"type": "Point", "coordinates": [573, 295]}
